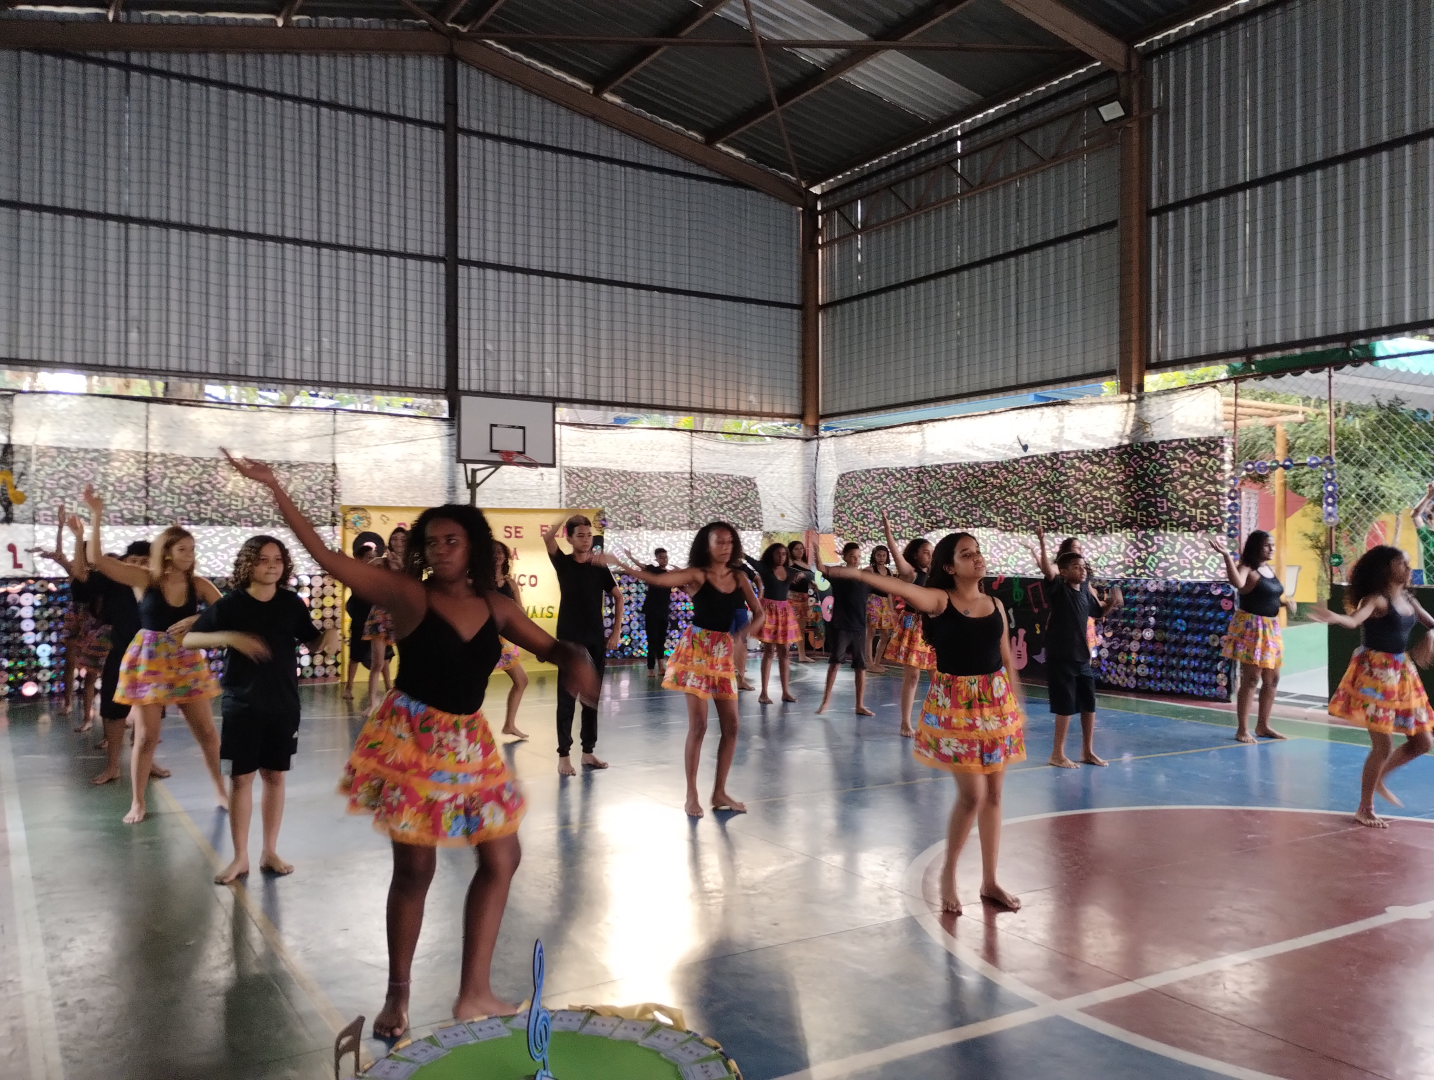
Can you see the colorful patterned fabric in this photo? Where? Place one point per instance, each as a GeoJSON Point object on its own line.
{"type": "Point", "coordinates": [970, 723]}
{"type": "Point", "coordinates": [510, 658]}
{"type": "Point", "coordinates": [879, 615]}
{"type": "Point", "coordinates": [780, 626]}
{"type": "Point", "coordinates": [1254, 639]}
{"type": "Point", "coordinates": [908, 646]}
{"type": "Point", "coordinates": [158, 670]}
{"type": "Point", "coordinates": [703, 665]}
{"type": "Point", "coordinates": [90, 643]}
{"type": "Point", "coordinates": [431, 778]}
{"type": "Point", "coordinates": [378, 624]}
{"type": "Point", "coordinates": [1092, 639]}
{"type": "Point", "coordinates": [1383, 692]}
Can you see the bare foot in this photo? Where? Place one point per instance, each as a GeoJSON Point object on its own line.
{"type": "Point", "coordinates": [102, 744]}
{"type": "Point", "coordinates": [272, 864]}
{"type": "Point", "coordinates": [1369, 818]}
{"type": "Point", "coordinates": [744, 685]}
{"type": "Point", "coordinates": [512, 729]}
{"type": "Point", "coordinates": [135, 815]}
{"type": "Point", "coordinates": [1264, 731]}
{"type": "Point", "coordinates": [764, 700]}
{"type": "Point", "coordinates": [392, 1020]}
{"type": "Point", "coordinates": [106, 777]}
{"type": "Point", "coordinates": [789, 697]}
{"type": "Point", "coordinates": [726, 802]}
{"type": "Point", "coordinates": [86, 725]}
{"type": "Point", "coordinates": [234, 871]}
{"type": "Point", "coordinates": [1060, 761]}
{"type": "Point", "coordinates": [950, 903]}
{"type": "Point", "coordinates": [158, 772]}
{"type": "Point", "coordinates": [221, 801]}
{"type": "Point", "coordinates": [482, 1005]}
{"type": "Point", "coordinates": [1001, 897]}
{"type": "Point", "coordinates": [592, 761]}
{"type": "Point", "coordinates": [1244, 737]}
{"type": "Point", "coordinates": [907, 731]}
{"type": "Point", "coordinates": [862, 710]}
{"type": "Point", "coordinates": [693, 807]}
{"type": "Point", "coordinates": [879, 669]}
{"type": "Point", "coordinates": [1092, 759]}
{"type": "Point", "coordinates": [565, 767]}
{"type": "Point", "coordinates": [1387, 795]}
{"type": "Point", "coordinates": [823, 706]}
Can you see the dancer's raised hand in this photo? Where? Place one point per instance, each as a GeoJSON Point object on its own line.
{"type": "Point", "coordinates": [1218, 545]}
{"type": "Point", "coordinates": [250, 469]}
{"type": "Point", "coordinates": [93, 500]}
{"type": "Point", "coordinates": [576, 672]}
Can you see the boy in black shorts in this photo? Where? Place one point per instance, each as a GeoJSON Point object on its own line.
{"type": "Point", "coordinates": [846, 637]}
{"type": "Point", "coordinates": [1068, 672]}
{"type": "Point", "coordinates": [262, 626]}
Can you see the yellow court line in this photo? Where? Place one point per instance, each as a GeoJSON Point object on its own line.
{"type": "Point", "coordinates": [311, 989]}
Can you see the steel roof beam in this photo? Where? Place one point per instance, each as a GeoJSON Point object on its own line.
{"type": "Point", "coordinates": [609, 82]}
{"type": "Point", "coordinates": [1056, 18]}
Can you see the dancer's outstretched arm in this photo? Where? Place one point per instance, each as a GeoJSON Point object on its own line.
{"type": "Point", "coordinates": [122, 572]}
{"type": "Point", "coordinates": [667, 579]}
{"type": "Point", "coordinates": [1242, 577]}
{"type": "Point", "coordinates": [80, 566]}
{"type": "Point", "coordinates": [904, 570]}
{"type": "Point", "coordinates": [1043, 561]}
{"type": "Point", "coordinates": [575, 668]}
{"type": "Point", "coordinates": [1368, 608]}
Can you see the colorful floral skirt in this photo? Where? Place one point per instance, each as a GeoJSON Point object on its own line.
{"type": "Point", "coordinates": [378, 624]}
{"type": "Point", "coordinates": [780, 627]}
{"type": "Point", "coordinates": [879, 615]}
{"type": "Point", "coordinates": [970, 723]}
{"type": "Point", "coordinates": [1254, 639]}
{"type": "Point", "coordinates": [908, 644]}
{"type": "Point", "coordinates": [158, 670]}
{"type": "Point", "coordinates": [90, 644]}
{"type": "Point", "coordinates": [703, 665]}
{"type": "Point", "coordinates": [431, 778]}
{"type": "Point", "coordinates": [1092, 639]}
{"type": "Point", "coordinates": [1382, 692]}
{"type": "Point", "coordinates": [510, 658]}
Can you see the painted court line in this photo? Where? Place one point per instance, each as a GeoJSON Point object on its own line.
{"type": "Point", "coordinates": [41, 1035]}
{"type": "Point", "coordinates": [1044, 1007]}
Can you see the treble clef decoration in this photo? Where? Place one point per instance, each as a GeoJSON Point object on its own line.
{"type": "Point", "coordinates": [540, 1021]}
{"type": "Point", "coordinates": [1017, 593]}
{"type": "Point", "coordinates": [8, 479]}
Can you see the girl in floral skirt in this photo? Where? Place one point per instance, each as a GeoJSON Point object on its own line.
{"type": "Point", "coordinates": [426, 765]}
{"type": "Point", "coordinates": [908, 647]}
{"type": "Point", "coordinates": [702, 665]}
{"type": "Point", "coordinates": [780, 630]}
{"type": "Point", "coordinates": [880, 615]}
{"type": "Point", "coordinates": [973, 721]}
{"type": "Point", "coordinates": [1381, 690]}
{"type": "Point", "coordinates": [511, 663]}
{"type": "Point", "coordinates": [1254, 640]}
{"type": "Point", "coordinates": [378, 627]}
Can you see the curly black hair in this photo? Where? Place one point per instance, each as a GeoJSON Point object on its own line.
{"type": "Point", "coordinates": [1253, 553]}
{"type": "Point", "coordinates": [769, 557]}
{"type": "Point", "coordinates": [700, 555]}
{"type": "Point", "coordinates": [248, 558]}
{"type": "Point", "coordinates": [1371, 575]}
{"type": "Point", "coordinates": [480, 543]}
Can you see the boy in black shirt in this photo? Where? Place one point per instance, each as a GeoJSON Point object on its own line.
{"type": "Point", "coordinates": [655, 610]}
{"type": "Point", "coordinates": [583, 578]}
{"type": "Point", "coordinates": [1068, 672]}
{"type": "Point", "coordinates": [847, 634]}
{"type": "Point", "coordinates": [262, 626]}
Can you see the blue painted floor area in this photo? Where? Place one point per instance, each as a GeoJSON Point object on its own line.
{"type": "Point", "coordinates": [786, 933]}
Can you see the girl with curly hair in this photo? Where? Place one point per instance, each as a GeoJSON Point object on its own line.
{"type": "Point", "coordinates": [378, 626]}
{"type": "Point", "coordinates": [426, 765]}
{"type": "Point", "coordinates": [511, 664]}
{"type": "Point", "coordinates": [1381, 689]}
{"type": "Point", "coordinates": [780, 629]}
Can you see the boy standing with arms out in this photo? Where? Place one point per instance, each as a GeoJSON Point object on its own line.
{"type": "Point", "coordinates": [847, 633]}
{"type": "Point", "coordinates": [583, 578]}
{"type": "Point", "coordinates": [1068, 672]}
{"type": "Point", "coordinates": [655, 609]}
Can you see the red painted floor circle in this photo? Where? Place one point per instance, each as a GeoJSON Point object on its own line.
{"type": "Point", "coordinates": [1259, 938]}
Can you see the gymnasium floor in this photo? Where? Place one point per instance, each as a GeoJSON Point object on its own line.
{"type": "Point", "coordinates": [1197, 909]}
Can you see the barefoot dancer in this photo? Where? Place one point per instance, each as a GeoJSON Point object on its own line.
{"type": "Point", "coordinates": [262, 625]}
{"type": "Point", "coordinates": [1253, 640]}
{"type": "Point", "coordinates": [378, 626]}
{"type": "Point", "coordinates": [365, 549]}
{"type": "Point", "coordinates": [1068, 672]}
{"type": "Point", "coordinates": [426, 765]}
{"type": "Point", "coordinates": [779, 631]}
{"type": "Point", "coordinates": [800, 596]}
{"type": "Point", "coordinates": [583, 578]}
{"type": "Point", "coordinates": [86, 637]}
{"type": "Point", "coordinates": [908, 648]}
{"type": "Point", "coordinates": [702, 666]}
{"type": "Point", "coordinates": [511, 664]}
{"type": "Point", "coordinates": [157, 670]}
{"type": "Point", "coordinates": [973, 719]}
{"type": "Point", "coordinates": [880, 618]}
{"type": "Point", "coordinates": [846, 636]}
{"type": "Point", "coordinates": [119, 605]}
{"type": "Point", "coordinates": [1381, 690]}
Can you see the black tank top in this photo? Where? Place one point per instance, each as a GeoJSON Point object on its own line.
{"type": "Point", "coordinates": [155, 612]}
{"type": "Point", "coordinates": [507, 590]}
{"type": "Point", "coordinates": [772, 587]}
{"type": "Point", "coordinates": [965, 646]}
{"type": "Point", "coordinates": [1388, 632]}
{"type": "Point", "coordinates": [439, 668]}
{"type": "Point", "coordinates": [920, 578]}
{"type": "Point", "coordinates": [713, 609]}
{"type": "Point", "coordinates": [1264, 598]}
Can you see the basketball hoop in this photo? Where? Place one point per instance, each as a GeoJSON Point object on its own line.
{"type": "Point", "coordinates": [515, 457]}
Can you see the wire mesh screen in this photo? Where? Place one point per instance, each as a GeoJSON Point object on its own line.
{"type": "Point", "coordinates": [1294, 152]}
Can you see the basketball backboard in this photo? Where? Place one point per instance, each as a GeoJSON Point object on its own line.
{"type": "Point", "coordinates": [506, 431]}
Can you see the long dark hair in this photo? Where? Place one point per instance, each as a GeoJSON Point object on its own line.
{"type": "Point", "coordinates": [507, 556]}
{"type": "Point", "coordinates": [871, 559]}
{"type": "Point", "coordinates": [248, 558]}
{"type": "Point", "coordinates": [701, 554]}
{"type": "Point", "coordinates": [791, 555]}
{"type": "Point", "coordinates": [1253, 553]}
{"type": "Point", "coordinates": [1371, 575]}
{"type": "Point", "coordinates": [480, 543]}
{"type": "Point", "coordinates": [769, 557]}
{"type": "Point", "coordinates": [912, 548]}
{"type": "Point", "coordinates": [938, 577]}
{"type": "Point", "coordinates": [1068, 544]}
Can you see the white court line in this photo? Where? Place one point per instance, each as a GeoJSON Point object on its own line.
{"type": "Point", "coordinates": [41, 1036]}
{"type": "Point", "coordinates": [1044, 1006]}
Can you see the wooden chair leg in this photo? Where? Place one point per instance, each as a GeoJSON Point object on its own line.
{"type": "Point", "coordinates": [349, 1039]}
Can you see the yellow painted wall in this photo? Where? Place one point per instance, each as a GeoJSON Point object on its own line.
{"type": "Point", "coordinates": [1297, 548]}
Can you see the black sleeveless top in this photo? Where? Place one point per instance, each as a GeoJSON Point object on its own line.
{"type": "Point", "coordinates": [507, 590]}
{"type": "Point", "coordinates": [439, 668]}
{"type": "Point", "coordinates": [1264, 598]}
{"type": "Point", "coordinates": [920, 578]}
{"type": "Point", "coordinates": [155, 612]}
{"type": "Point", "coordinates": [772, 587]}
{"type": "Point", "coordinates": [713, 609]}
{"type": "Point", "coordinates": [1388, 632]}
{"type": "Point", "coordinates": [963, 645]}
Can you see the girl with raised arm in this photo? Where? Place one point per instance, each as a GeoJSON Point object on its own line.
{"type": "Point", "coordinates": [378, 627]}
{"type": "Point", "coordinates": [880, 616]}
{"type": "Point", "coordinates": [972, 723]}
{"type": "Point", "coordinates": [908, 647]}
{"type": "Point", "coordinates": [511, 663]}
{"type": "Point", "coordinates": [157, 670]}
{"type": "Point", "coordinates": [1253, 640]}
{"type": "Point", "coordinates": [1381, 690]}
{"type": "Point", "coordinates": [780, 629]}
{"type": "Point", "coordinates": [800, 596]}
{"type": "Point", "coordinates": [425, 764]}
{"type": "Point", "coordinates": [703, 666]}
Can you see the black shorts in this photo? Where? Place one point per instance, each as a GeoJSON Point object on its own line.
{"type": "Point", "coordinates": [251, 742]}
{"type": "Point", "coordinates": [842, 644]}
{"type": "Point", "coordinates": [1072, 687]}
{"type": "Point", "coordinates": [110, 709]}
